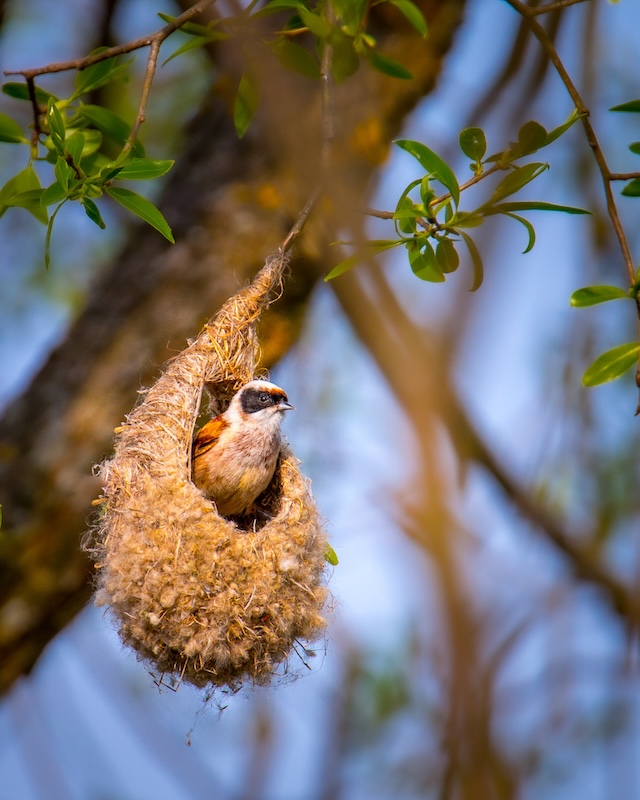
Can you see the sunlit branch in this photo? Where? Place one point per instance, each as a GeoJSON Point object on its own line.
{"type": "Point", "coordinates": [153, 41]}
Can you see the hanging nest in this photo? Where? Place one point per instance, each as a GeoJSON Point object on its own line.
{"type": "Point", "coordinates": [201, 599]}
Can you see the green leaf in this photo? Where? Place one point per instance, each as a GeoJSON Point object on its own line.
{"type": "Point", "coordinates": [141, 169]}
{"type": "Point", "coordinates": [197, 42]}
{"type": "Point", "coordinates": [530, 230]}
{"type": "Point", "coordinates": [447, 257]}
{"type": "Point", "coordinates": [331, 556]}
{"type": "Point", "coordinates": [296, 58]}
{"type": "Point", "coordinates": [534, 205]}
{"type": "Point", "coordinates": [56, 126]}
{"type": "Point", "coordinates": [53, 194]}
{"type": "Point", "coordinates": [413, 15]}
{"type": "Point", "coordinates": [531, 137]}
{"type": "Point", "coordinates": [612, 364]}
{"type": "Point", "coordinates": [351, 14]}
{"type": "Point", "coordinates": [25, 186]}
{"type": "Point", "coordinates": [113, 126]}
{"type": "Point", "coordinates": [345, 60]}
{"type": "Point", "coordinates": [20, 91]}
{"type": "Point", "coordinates": [75, 145]}
{"type": "Point", "coordinates": [635, 148]}
{"type": "Point", "coordinates": [557, 132]}
{"type": "Point", "coordinates": [592, 295]}
{"type": "Point", "coordinates": [99, 74]}
{"type": "Point", "coordinates": [388, 66]}
{"type": "Point", "coordinates": [433, 164]}
{"type": "Point", "coordinates": [632, 189]}
{"type": "Point", "coordinates": [191, 28]}
{"type": "Point", "coordinates": [64, 173]}
{"type": "Point", "coordinates": [142, 208]}
{"type": "Point", "coordinates": [278, 5]}
{"type": "Point", "coordinates": [516, 180]}
{"type": "Point", "coordinates": [632, 106]}
{"type": "Point", "coordinates": [422, 259]}
{"type": "Point", "coordinates": [93, 212]}
{"type": "Point", "coordinates": [246, 104]}
{"type": "Point", "coordinates": [30, 201]}
{"type": "Point", "coordinates": [476, 260]}
{"type": "Point", "coordinates": [369, 249]}
{"type": "Point", "coordinates": [473, 143]}
{"type": "Point", "coordinates": [10, 131]}
{"type": "Point", "coordinates": [316, 23]}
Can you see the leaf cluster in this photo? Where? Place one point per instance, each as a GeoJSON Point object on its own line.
{"type": "Point", "coordinates": [428, 219]}
{"type": "Point", "coordinates": [74, 137]}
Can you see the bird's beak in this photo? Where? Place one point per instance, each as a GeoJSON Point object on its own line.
{"type": "Point", "coordinates": [284, 406]}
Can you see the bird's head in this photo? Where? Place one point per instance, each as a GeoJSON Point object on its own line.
{"type": "Point", "coordinates": [258, 401]}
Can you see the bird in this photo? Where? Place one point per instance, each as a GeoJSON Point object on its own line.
{"type": "Point", "coordinates": [234, 455]}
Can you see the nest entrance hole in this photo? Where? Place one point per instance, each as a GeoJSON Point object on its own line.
{"type": "Point", "coordinates": [215, 400]}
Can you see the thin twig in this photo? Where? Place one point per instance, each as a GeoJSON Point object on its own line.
{"type": "Point", "coordinates": [326, 151]}
{"type": "Point", "coordinates": [153, 40]}
{"type": "Point", "coordinates": [607, 176]}
{"type": "Point", "coordinates": [558, 6]}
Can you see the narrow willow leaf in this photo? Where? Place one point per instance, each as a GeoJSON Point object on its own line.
{"type": "Point", "coordinates": [297, 58]}
{"type": "Point", "coordinates": [142, 208]}
{"type": "Point", "coordinates": [64, 173]}
{"type": "Point", "coordinates": [10, 131]}
{"type": "Point", "coordinates": [632, 189]}
{"type": "Point", "coordinates": [56, 126]}
{"type": "Point", "coordinates": [141, 169]}
{"type": "Point", "coordinates": [246, 104]}
{"type": "Point", "coordinates": [635, 148]}
{"type": "Point", "coordinates": [529, 228]}
{"type": "Point", "coordinates": [473, 143]}
{"type": "Point", "coordinates": [433, 164]}
{"type": "Point", "coordinates": [413, 15]}
{"type": "Point", "coordinates": [534, 205]}
{"type": "Point", "coordinates": [612, 364]}
{"type": "Point", "coordinates": [389, 66]}
{"type": "Point", "coordinates": [405, 216]}
{"type": "Point", "coordinates": [75, 146]}
{"type": "Point", "coordinates": [113, 126]}
{"type": "Point", "coordinates": [98, 75]}
{"type": "Point", "coordinates": [278, 5]}
{"type": "Point", "coordinates": [190, 28]}
{"type": "Point", "coordinates": [93, 212]}
{"type": "Point", "coordinates": [20, 91]}
{"type": "Point", "coordinates": [192, 44]}
{"type": "Point", "coordinates": [592, 295]}
{"type": "Point", "coordinates": [476, 260]}
{"type": "Point", "coordinates": [30, 201]}
{"type": "Point", "coordinates": [370, 249]}
{"type": "Point", "coordinates": [516, 180]}
{"type": "Point", "coordinates": [557, 132]}
{"type": "Point", "coordinates": [47, 238]}
{"type": "Point", "coordinates": [330, 556]}
{"type": "Point", "coordinates": [632, 105]}
{"type": "Point", "coordinates": [422, 259]}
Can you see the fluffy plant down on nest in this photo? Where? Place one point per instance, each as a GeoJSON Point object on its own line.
{"type": "Point", "coordinates": [200, 599]}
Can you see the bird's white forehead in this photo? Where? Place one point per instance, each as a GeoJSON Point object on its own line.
{"type": "Point", "coordinates": [262, 386]}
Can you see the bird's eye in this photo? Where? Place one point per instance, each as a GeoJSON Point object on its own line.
{"type": "Point", "coordinates": [264, 398]}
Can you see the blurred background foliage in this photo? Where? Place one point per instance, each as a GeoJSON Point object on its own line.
{"type": "Point", "coordinates": [483, 504]}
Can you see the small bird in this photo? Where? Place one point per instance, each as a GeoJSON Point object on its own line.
{"type": "Point", "coordinates": [234, 454]}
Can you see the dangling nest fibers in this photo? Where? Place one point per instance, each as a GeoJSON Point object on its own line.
{"type": "Point", "coordinates": [202, 600]}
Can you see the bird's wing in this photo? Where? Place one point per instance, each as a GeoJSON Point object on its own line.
{"type": "Point", "coordinates": [208, 435]}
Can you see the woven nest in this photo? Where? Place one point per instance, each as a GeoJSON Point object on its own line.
{"type": "Point", "coordinates": [198, 598]}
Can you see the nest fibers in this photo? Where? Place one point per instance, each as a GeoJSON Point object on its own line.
{"type": "Point", "coordinates": [199, 598]}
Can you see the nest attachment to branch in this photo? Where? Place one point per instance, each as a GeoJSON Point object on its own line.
{"type": "Point", "coordinates": [199, 598]}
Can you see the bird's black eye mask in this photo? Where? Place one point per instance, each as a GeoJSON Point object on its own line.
{"type": "Point", "coordinates": [253, 400]}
